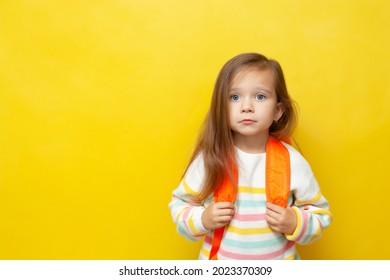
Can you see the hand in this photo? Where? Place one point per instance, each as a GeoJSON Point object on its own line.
{"type": "Point", "coordinates": [217, 215]}
{"type": "Point", "coordinates": [283, 220]}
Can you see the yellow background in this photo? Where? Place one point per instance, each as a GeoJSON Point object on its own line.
{"type": "Point", "coordinates": [101, 101]}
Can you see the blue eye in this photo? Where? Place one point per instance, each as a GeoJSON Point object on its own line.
{"type": "Point", "coordinates": [234, 97]}
{"type": "Point", "coordinates": [260, 97]}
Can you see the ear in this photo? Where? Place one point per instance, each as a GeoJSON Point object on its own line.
{"type": "Point", "coordinates": [278, 112]}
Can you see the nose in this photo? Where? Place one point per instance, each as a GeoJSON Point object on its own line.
{"type": "Point", "coordinates": [247, 106]}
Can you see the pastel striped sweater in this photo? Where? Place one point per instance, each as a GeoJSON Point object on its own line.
{"type": "Point", "coordinates": [248, 235]}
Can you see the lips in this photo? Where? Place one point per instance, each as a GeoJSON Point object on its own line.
{"type": "Point", "coordinates": [247, 121]}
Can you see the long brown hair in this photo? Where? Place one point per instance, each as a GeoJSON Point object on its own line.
{"type": "Point", "coordinates": [215, 140]}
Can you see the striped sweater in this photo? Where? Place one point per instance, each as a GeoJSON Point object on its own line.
{"type": "Point", "coordinates": [248, 236]}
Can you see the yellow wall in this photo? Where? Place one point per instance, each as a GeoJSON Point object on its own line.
{"type": "Point", "coordinates": [100, 102]}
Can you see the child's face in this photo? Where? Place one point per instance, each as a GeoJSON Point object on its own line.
{"type": "Point", "coordinates": [253, 103]}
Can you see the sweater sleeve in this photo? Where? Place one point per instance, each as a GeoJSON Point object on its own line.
{"type": "Point", "coordinates": [312, 210]}
{"type": "Point", "coordinates": [185, 213]}
{"type": "Point", "coordinates": [309, 204]}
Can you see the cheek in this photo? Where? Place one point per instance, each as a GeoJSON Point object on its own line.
{"type": "Point", "coordinates": [230, 111]}
{"type": "Point", "coordinates": [232, 116]}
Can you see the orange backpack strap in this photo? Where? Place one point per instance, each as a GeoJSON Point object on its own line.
{"type": "Point", "coordinates": [225, 192]}
{"type": "Point", "coordinates": [277, 172]}
{"type": "Point", "coordinates": [277, 185]}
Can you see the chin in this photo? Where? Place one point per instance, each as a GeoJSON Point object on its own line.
{"type": "Point", "coordinates": [249, 133]}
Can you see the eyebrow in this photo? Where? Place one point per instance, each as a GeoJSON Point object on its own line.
{"type": "Point", "coordinates": [258, 88]}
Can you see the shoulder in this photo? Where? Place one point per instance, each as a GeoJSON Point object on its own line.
{"type": "Point", "coordinates": [303, 181]}
{"type": "Point", "coordinates": [197, 165]}
{"type": "Point", "coordinates": [195, 173]}
{"type": "Point", "coordinates": [297, 162]}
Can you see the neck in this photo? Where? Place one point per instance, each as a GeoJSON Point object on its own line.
{"type": "Point", "coordinates": [254, 144]}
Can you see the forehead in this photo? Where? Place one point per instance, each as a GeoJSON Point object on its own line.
{"type": "Point", "coordinates": [253, 76]}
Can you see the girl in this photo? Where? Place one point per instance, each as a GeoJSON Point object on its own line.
{"type": "Point", "coordinates": [226, 194]}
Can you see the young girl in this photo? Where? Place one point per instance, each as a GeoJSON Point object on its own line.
{"type": "Point", "coordinates": [224, 193]}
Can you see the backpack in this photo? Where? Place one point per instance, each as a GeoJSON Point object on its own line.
{"type": "Point", "coordinates": [277, 185]}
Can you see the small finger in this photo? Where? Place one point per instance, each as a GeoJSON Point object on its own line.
{"type": "Point", "coordinates": [271, 221]}
{"type": "Point", "coordinates": [272, 214]}
{"type": "Point", "coordinates": [225, 205]}
{"type": "Point", "coordinates": [224, 219]}
{"type": "Point", "coordinates": [227, 212]}
{"type": "Point", "coordinates": [274, 207]}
